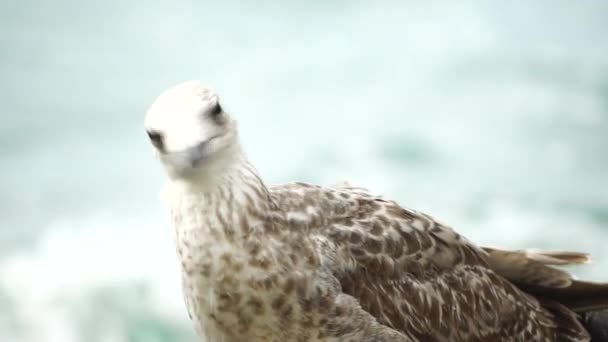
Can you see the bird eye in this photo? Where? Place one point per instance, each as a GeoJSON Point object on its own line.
{"type": "Point", "coordinates": [156, 139]}
{"type": "Point", "coordinates": [216, 110]}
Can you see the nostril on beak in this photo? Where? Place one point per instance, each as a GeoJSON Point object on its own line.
{"type": "Point", "coordinates": [157, 140]}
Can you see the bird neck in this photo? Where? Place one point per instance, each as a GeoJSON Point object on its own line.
{"type": "Point", "coordinates": [227, 207]}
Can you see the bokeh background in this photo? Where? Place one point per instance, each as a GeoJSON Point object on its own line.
{"type": "Point", "coordinates": [492, 116]}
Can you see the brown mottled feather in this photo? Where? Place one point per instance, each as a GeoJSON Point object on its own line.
{"type": "Point", "coordinates": [423, 279]}
{"type": "Point", "coordinates": [534, 268]}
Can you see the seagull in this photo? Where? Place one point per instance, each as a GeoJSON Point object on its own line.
{"type": "Point", "coordinates": [302, 262]}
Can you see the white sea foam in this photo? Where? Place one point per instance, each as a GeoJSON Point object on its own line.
{"type": "Point", "coordinates": [74, 260]}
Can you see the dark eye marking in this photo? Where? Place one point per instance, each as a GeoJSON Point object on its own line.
{"type": "Point", "coordinates": [157, 139]}
{"type": "Point", "coordinates": [216, 114]}
{"type": "Point", "coordinates": [216, 110]}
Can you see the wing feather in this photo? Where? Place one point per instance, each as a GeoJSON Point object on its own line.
{"type": "Point", "coordinates": [418, 276]}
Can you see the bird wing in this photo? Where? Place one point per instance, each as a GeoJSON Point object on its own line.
{"type": "Point", "coordinates": [416, 275]}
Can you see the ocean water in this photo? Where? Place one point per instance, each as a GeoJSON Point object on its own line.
{"type": "Point", "coordinates": [491, 116]}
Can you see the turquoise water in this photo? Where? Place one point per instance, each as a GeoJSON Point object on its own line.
{"type": "Point", "coordinates": [491, 116]}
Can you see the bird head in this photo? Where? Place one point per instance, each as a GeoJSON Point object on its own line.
{"type": "Point", "coordinates": [190, 131]}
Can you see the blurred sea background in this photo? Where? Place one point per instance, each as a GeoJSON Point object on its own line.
{"type": "Point", "coordinates": [492, 116]}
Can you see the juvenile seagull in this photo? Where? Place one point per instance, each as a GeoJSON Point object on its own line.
{"type": "Point", "coordinates": [300, 262]}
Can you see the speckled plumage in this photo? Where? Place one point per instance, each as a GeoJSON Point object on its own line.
{"type": "Point", "coordinates": [299, 262]}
